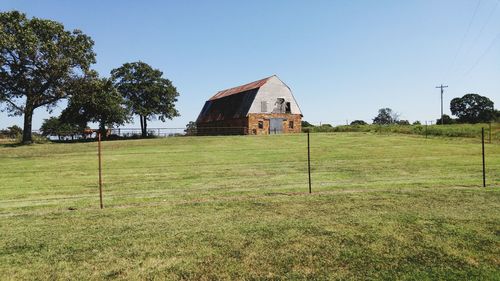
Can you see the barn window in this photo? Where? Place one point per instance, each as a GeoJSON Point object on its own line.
{"type": "Point", "coordinates": [290, 124]}
{"type": "Point", "coordinates": [261, 124]}
{"type": "Point", "coordinates": [280, 105]}
{"type": "Point", "coordinates": [288, 108]}
{"type": "Point", "coordinates": [263, 106]}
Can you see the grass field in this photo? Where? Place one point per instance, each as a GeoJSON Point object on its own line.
{"type": "Point", "coordinates": [382, 207]}
{"type": "Point", "coordinates": [455, 130]}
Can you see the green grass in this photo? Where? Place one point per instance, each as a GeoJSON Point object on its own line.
{"type": "Point", "coordinates": [455, 130]}
{"type": "Point", "coordinates": [383, 207]}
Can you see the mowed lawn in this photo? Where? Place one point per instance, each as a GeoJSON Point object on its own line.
{"type": "Point", "coordinates": [382, 207]}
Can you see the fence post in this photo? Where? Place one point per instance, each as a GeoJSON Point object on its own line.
{"type": "Point", "coordinates": [100, 168]}
{"type": "Point", "coordinates": [484, 164]}
{"type": "Point", "coordinates": [425, 129]}
{"type": "Point", "coordinates": [309, 160]}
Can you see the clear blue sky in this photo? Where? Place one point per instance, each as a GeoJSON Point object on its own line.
{"type": "Point", "coordinates": [342, 59]}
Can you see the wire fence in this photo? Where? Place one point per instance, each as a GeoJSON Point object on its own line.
{"type": "Point", "coordinates": [492, 131]}
{"type": "Point", "coordinates": [138, 133]}
{"type": "Point", "coordinates": [196, 169]}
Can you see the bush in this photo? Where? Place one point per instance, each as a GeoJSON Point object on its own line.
{"type": "Point", "coordinates": [358, 122]}
{"type": "Point", "coordinates": [37, 138]}
{"type": "Point", "coordinates": [12, 132]}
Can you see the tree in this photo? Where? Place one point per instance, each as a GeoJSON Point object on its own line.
{"type": "Point", "coordinates": [148, 94]}
{"type": "Point", "coordinates": [96, 100]}
{"type": "Point", "coordinates": [55, 127]}
{"type": "Point", "coordinates": [38, 61]}
{"type": "Point", "coordinates": [473, 108]}
{"type": "Point", "coordinates": [12, 132]}
{"type": "Point", "coordinates": [416, 123]}
{"type": "Point", "coordinates": [190, 128]}
{"type": "Point", "coordinates": [306, 124]}
{"type": "Point", "coordinates": [358, 122]}
{"type": "Point", "coordinates": [386, 116]}
{"type": "Point", "coordinates": [446, 119]}
{"type": "Point", "coordinates": [403, 122]}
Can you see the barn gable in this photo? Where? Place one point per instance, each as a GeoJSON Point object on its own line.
{"type": "Point", "coordinates": [275, 97]}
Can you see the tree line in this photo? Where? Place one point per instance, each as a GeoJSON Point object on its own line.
{"type": "Point", "coordinates": [42, 63]}
{"type": "Point", "coordinates": [471, 109]}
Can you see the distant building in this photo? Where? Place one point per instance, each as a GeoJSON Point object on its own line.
{"type": "Point", "coordinates": [262, 107]}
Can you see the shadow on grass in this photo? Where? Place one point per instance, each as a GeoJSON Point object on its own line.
{"type": "Point", "coordinates": [11, 144]}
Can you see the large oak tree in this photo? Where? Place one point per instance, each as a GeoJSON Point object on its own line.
{"type": "Point", "coordinates": [147, 92]}
{"type": "Point", "coordinates": [473, 108]}
{"type": "Point", "coordinates": [96, 100]}
{"type": "Point", "coordinates": [39, 61]}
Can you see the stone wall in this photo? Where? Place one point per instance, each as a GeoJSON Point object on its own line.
{"type": "Point", "coordinates": [250, 125]}
{"type": "Point", "coordinates": [254, 118]}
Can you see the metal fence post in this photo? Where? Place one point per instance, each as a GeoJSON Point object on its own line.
{"type": "Point", "coordinates": [100, 169]}
{"type": "Point", "coordinates": [484, 164]}
{"type": "Point", "coordinates": [309, 160]}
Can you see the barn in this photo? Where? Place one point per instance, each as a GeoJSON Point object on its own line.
{"type": "Point", "coordinates": [266, 106]}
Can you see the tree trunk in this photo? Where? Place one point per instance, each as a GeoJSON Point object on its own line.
{"type": "Point", "coordinates": [145, 129]}
{"type": "Point", "coordinates": [142, 124]}
{"type": "Point", "coordinates": [102, 130]}
{"type": "Point", "coordinates": [28, 124]}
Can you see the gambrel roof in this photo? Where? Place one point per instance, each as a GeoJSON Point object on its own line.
{"type": "Point", "coordinates": [238, 102]}
{"type": "Point", "coordinates": [240, 89]}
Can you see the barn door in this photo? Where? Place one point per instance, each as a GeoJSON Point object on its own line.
{"type": "Point", "coordinates": [275, 125]}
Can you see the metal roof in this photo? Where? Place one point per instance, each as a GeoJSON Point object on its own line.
{"type": "Point", "coordinates": [240, 89]}
{"type": "Point", "coordinates": [227, 107]}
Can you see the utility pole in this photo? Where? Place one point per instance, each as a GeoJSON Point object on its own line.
{"type": "Point", "coordinates": [442, 91]}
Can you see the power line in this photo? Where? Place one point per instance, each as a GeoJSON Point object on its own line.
{"type": "Point", "coordinates": [482, 55]}
{"type": "Point", "coordinates": [463, 38]}
{"type": "Point", "coordinates": [482, 28]}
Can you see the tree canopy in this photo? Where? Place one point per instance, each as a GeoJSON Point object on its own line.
{"type": "Point", "coordinates": [96, 100]}
{"type": "Point", "coordinates": [358, 122]}
{"type": "Point", "coordinates": [11, 132]}
{"type": "Point", "coordinates": [446, 119]}
{"type": "Point", "coordinates": [53, 126]}
{"type": "Point", "coordinates": [473, 108]}
{"type": "Point", "coordinates": [190, 128]}
{"type": "Point", "coordinates": [386, 116]}
{"type": "Point", "coordinates": [306, 124]}
{"type": "Point", "coordinates": [39, 59]}
{"type": "Point", "coordinates": [148, 94]}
